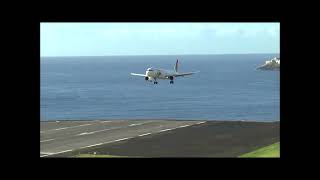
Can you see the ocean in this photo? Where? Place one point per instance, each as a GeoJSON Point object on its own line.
{"type": "Point", "coordinates": [228, 87]}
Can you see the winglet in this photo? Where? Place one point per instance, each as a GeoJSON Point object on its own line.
{"type": "Point", "coordinates": [176, 66]}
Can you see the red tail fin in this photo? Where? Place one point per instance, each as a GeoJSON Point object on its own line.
{"type": "Point", "coordinates": [176, 66]}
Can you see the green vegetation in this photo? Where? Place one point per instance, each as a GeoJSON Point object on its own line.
{"type": "Point", "coordinates": [268, 151]}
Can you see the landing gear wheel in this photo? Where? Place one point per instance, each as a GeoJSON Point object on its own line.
{"type": "Point", "coordinates": [171, 82]}
{"type": "Point", "coordinates": [155, 82]}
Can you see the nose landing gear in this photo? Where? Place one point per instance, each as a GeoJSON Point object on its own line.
{"type": "Point", "coordinates": [171, 82]}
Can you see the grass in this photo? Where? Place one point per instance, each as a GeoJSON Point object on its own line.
{"type": "Point", "coordinates": [272, 150]}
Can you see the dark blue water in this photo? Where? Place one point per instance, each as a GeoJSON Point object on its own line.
{"type": "Point", "coordinates": [227, 88]}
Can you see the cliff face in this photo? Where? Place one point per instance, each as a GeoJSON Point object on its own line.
{"type": "Point", "coordinates": [271, 65]}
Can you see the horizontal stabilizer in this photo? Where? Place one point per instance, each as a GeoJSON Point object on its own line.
{"type": "Point", "coordinates": [185, 74]}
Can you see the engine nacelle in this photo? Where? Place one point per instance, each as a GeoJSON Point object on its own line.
{"type": "Point", "coordinates": [171, 78]}
{"type": "Point", "coordinates": [146, 78]}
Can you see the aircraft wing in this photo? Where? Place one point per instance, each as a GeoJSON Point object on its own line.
{"type": "Point", "coordinates": [134, 74]}
{"type": "Point", "coordinates": [185, 74]}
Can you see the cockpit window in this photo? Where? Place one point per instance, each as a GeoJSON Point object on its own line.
{"type": "Point", "coordinates": [149, 69]}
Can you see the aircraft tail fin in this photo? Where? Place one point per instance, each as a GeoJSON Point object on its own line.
{"type": "Point", "coordinates": [176, 66]}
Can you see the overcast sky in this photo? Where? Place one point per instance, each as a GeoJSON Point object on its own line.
{"type": "Point", "coordinates": [99, 39]}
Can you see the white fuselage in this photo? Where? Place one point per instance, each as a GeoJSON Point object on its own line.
{"type": "Point", "coordinates": [154, 73]}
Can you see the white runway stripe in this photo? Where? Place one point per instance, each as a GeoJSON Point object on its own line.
{"type": "Point", "coordinates": [92, 132]}
{"type": "Point", "coordinates": [165, 130]}
{"type": "Point", "coordinates": [201, 122]}
{"type": "Point", "coordinates": [184, 126]}
{"type": "Point", "coordinates": [45, 153]}
{"type": "Point", "coordinates": [47, 140]}
{"type": "Point", "coordinates": [135, 124]}
{"type": "Point", "coordinates": [93, 145]}
{"type": "Point", "coordinates": [66, 128]}
{"type": "Point", "coordinates": [121, 139]}
{"type": "Point", "coordinates": [144, 134]}
{"type": "Point", "coordinates": [105, 121]}
{"type": "Point", "coordinates": [57, 152]}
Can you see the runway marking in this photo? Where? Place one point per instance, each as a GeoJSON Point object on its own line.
{"type": "Point", "coordinates": [66, 128]}
{"type": "Point", "coordinates": [165, 130]}
{"type": "Point", "coordinates": [184, 126]}
{"type": "Point", "coordinates": [47, 140]}
{"type": "Point", "coordinates": [48, 154]}
{"type": "Point", "coordinates": [121, 139]}
{"type": "Point", "coordinates": [105, 142]}
{"type": "Point", "coordinates": [72, 127]}
{"type": "Point", "coordinates": [84, 133]}
{"type": "Point", "coordinates": [140, 123]}
{"type": "Point", "coordinates": [104, 121]}
{"type": "Point", "coordinates": [201, 122]}
{"type": "Point", "coordinates": [93, 145]}
{"type": "Point", "coordinates": [87, 133]}
{"type": "Point", "coordinates": [135, 124]}
{"type": "Point", "coordinates": [144, 134]}
{"type": "Point", "coordinates": [117, 140]}
{"type": "Point", "coordinates": [45, 153]}
{"type": "Point", "coordinates": [57, 152]}
{"type": "Point", "coordinates": [92, 132]}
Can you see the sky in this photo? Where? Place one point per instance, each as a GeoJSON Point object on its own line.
{"type": "Point", "coordinates": [112, 39]}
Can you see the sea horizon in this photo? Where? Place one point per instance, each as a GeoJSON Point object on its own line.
{"type": "Point", "coordinates": [228, 87]}
{"type": "Point", "coordinates": [158, 55]}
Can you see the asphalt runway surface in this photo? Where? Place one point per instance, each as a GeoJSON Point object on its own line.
{"type": "Point", "coordinates": [156, 138]}
{"type": "Point", "coordinates": [58, 137]}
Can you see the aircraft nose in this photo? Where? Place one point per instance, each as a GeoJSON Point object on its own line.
{"type": "Point", "coordinates": [149, 73]}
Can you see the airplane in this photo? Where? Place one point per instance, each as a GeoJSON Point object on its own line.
{"type": "Point", "coordinates": [152, 74]}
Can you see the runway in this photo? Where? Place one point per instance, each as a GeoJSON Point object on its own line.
{"type": "Point", "coordinates": [60, 137]}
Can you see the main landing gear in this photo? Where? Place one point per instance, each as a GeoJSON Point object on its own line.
{"type": "Point", "coordinates": [155, 82]}
{"type": "Point", "coordinates": [171, 79]}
